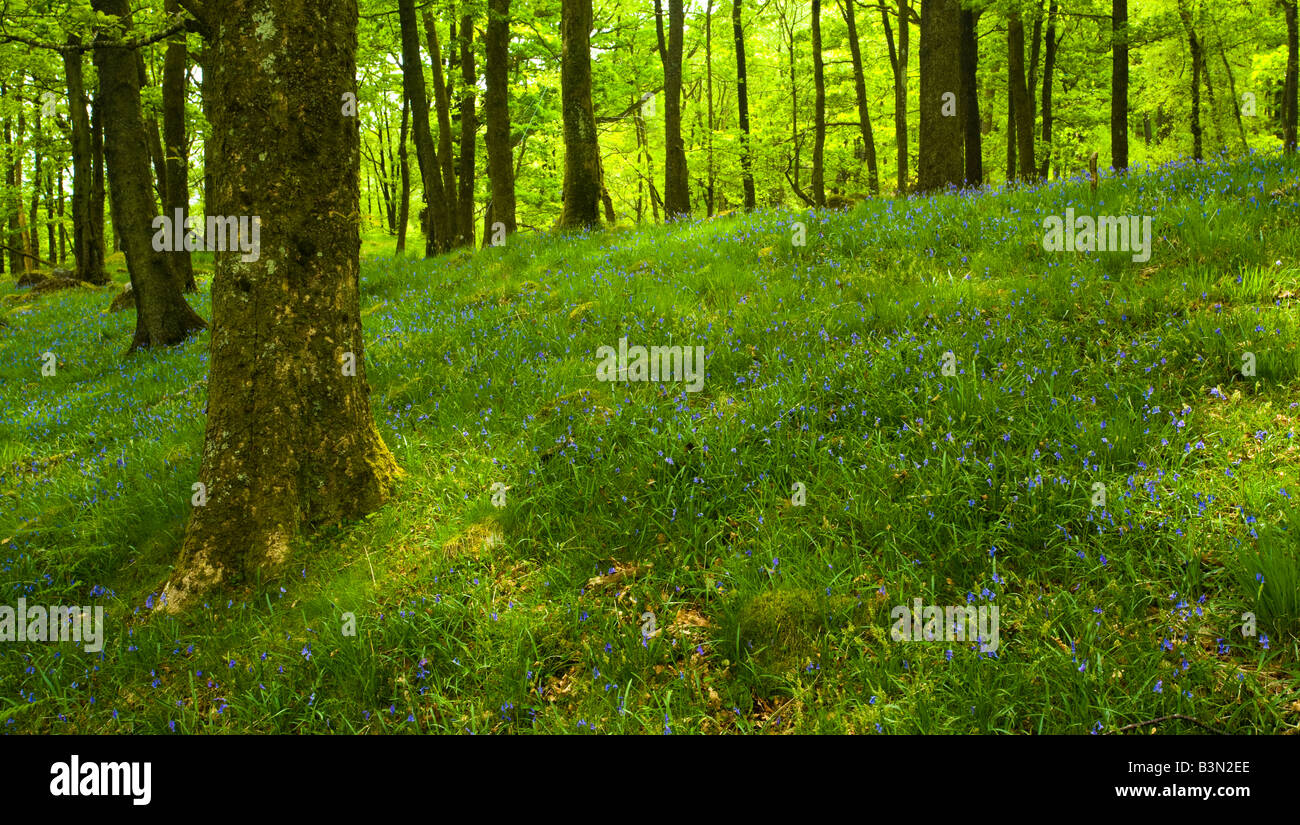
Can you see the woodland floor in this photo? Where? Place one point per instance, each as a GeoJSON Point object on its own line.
{"type": "Point", "coordinates": [825, 370]}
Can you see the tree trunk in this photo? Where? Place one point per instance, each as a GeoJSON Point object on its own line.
{"type": "Point", "coordinates": [432, 222]}
{"type": "Point", "coordinates": [496, 110]}
{"type": "Point", "coordinates": [98, 192]}
{"type": "Point", "coordinates": [1119, 85]}
{"type": "Point", "coordinates": [446, 161]}
{"type": "Point", "coordinates": [940, 160]}
{"type": "Point", "coordinates": [1194, 44]}
{"type": "Point", "coordinates": [742, 104]}
{"type": "Point", "coordinates": [175, 74]}
{"type": "Point", "coordinates": [1049, 67]}
{"type": "Point", "coordinates": [819, 109]}
{"type": "Point", "coordinates": [163, 317]}
{"type": "Point", "coordinates": [708, 79]}
{"type": "Point", "coordinates": [582, 184]}
{"type": "Point", "coordinates": [468, 128]}
{"type": "Point", "coordinates": [970, 100]}
{"type": "Point", "coordinates": [860, 94]}
{"type": "Point", "coordinates": [1020, 95]}
{"type": "Point", "coordinates": [290, 442]}
{"type": "Point", "coordinates": [1291, 84]}
{"type": "Point", "coordinates": [404, 204]}
{"type": "Point", "coordinates": [87, 233]}
{"type": "Point", "coordinates": [677, 193]}
{"type": "Point", "coordinates": [898, 61]}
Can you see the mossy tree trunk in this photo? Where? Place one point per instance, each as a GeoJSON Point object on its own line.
{"type": "Point", "coordinates": [940, 134]}
{"type": "Point", "coordinates": [290, 440]}
{"type": "Point", "coordinates": [581, 149]}
{"type": "Point", "coordinates": [163, 317]}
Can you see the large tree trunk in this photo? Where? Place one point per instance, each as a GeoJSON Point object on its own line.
{"type": "Point", "coordinates": [175, 73]}
{"type": "Point", "coordinates": [582, 185]}
{"type": "Point", "coordinates": [940, 135]}
{"type": "Point", "coordinates": [290, 440]}
{"type": "Point", "coordinates": [496, 110]}
{"type": "Point", "coordinates": [860, 94]}
{"type": "Point", "coordinates": [163, 317]}
{"type": "Point", "coordinates": [677, 193]}
{"type": "Point", "coordinates": [970, 101]}
{"type": "Point", "coordinates": [446, 159]}
{"type": "Point", "coordinates": [819, 109]}
{"type": "Point", "coordinates": [1049, 66]}
{"type": "Point", "coordinates": [1119, 85]}
{"type": "Point", "coordinates": [468, 128]}
{"type": "Point", "coordinates": [432, 221]}
{"type": "Point", "coordinates": [742, 104]}
{"type": "Point", "coordinates": [1291, 85]}
{"type": "Point", "coordinates": [1021, 100]}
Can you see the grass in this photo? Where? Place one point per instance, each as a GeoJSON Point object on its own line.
{"type": "Point", "coordinates": [1078, 377]}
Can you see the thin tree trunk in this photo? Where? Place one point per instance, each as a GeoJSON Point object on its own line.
{"type": "Point", "coordinates": [1291, 84]}
{"type": "Point", "coordinates": [1194, 44]}
{"type": "Point", "coordinates": [819, 109]}
{"type": "Point", "coordinates": [742, 104]}
{"type": "Point", "coordinates": [468, 127]}
{"type": "Point", "coordinates": [970, 100]}
{"type": "Point", "coordinates": [290, 441]}
{"type": "Point", "coordinates": [708, 69]}
{"type": "Point", "coordinates": [404, 205]}
{"type": "Point", "coordinates": [87, 233]}
{"type": "Point", "coordinates": [177, 198]}
{"type": "Point", "coordinates": [860, 95]}
{"type": "Point", "coordinates": [898, 60]}
{"type": "Point", "coordinates": [425, 155]}
{"type": "Point", "coordinates": [1020, 94]}
{"type": "Point", "coordinates": [677, 193]}
{"type": "Point", "coordinates": [447, 162]}
{"type": "Point", "coordinates": [1049, 67]}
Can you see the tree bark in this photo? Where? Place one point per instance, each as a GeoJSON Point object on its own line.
{"type": "Point", "coordinates": [819, 109]}
{"type": "Point", "coordinates": [1022, 102]}
{"type": "Point", "coordinates": [1119, 85]}
{"type": "Point", "coordinates": [1291, 85]}
{"type": "Point", "coordinates": [940, 161]}
{"type": "Point", "coordinates": [432, 222]}
{"type": "Point", "coordinates": [468, 127]}
{"type": "Point", "coordinates": [175, 74]}
{"type": "Point", "coordinates": [898, 60]}
{"type": "Point", "coordinates": [677, 193]}
{"type": "Point", "coordinates": [970, 101]}
{"type": "Point", "coordinates": [860, 94]}
{"type": "Point", "coordinates": [496, 110]}
{"type": "Point", "coordinates": [1049, 67]}
{"type": "Point", "coordinates": [163, 317]}
{"type": "Point", "coordinates": [404, 204]}
{"type": "Point", "coordinates": [742, 105]}
{"type": "Point", "coordinates": [1194, 44]}
{"type": "Point", "coordinates": [582, 184]}
{"type": "Point", "coordinates": [446, 161]}
{"type": "Point", "coordinates": [290, 441]}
